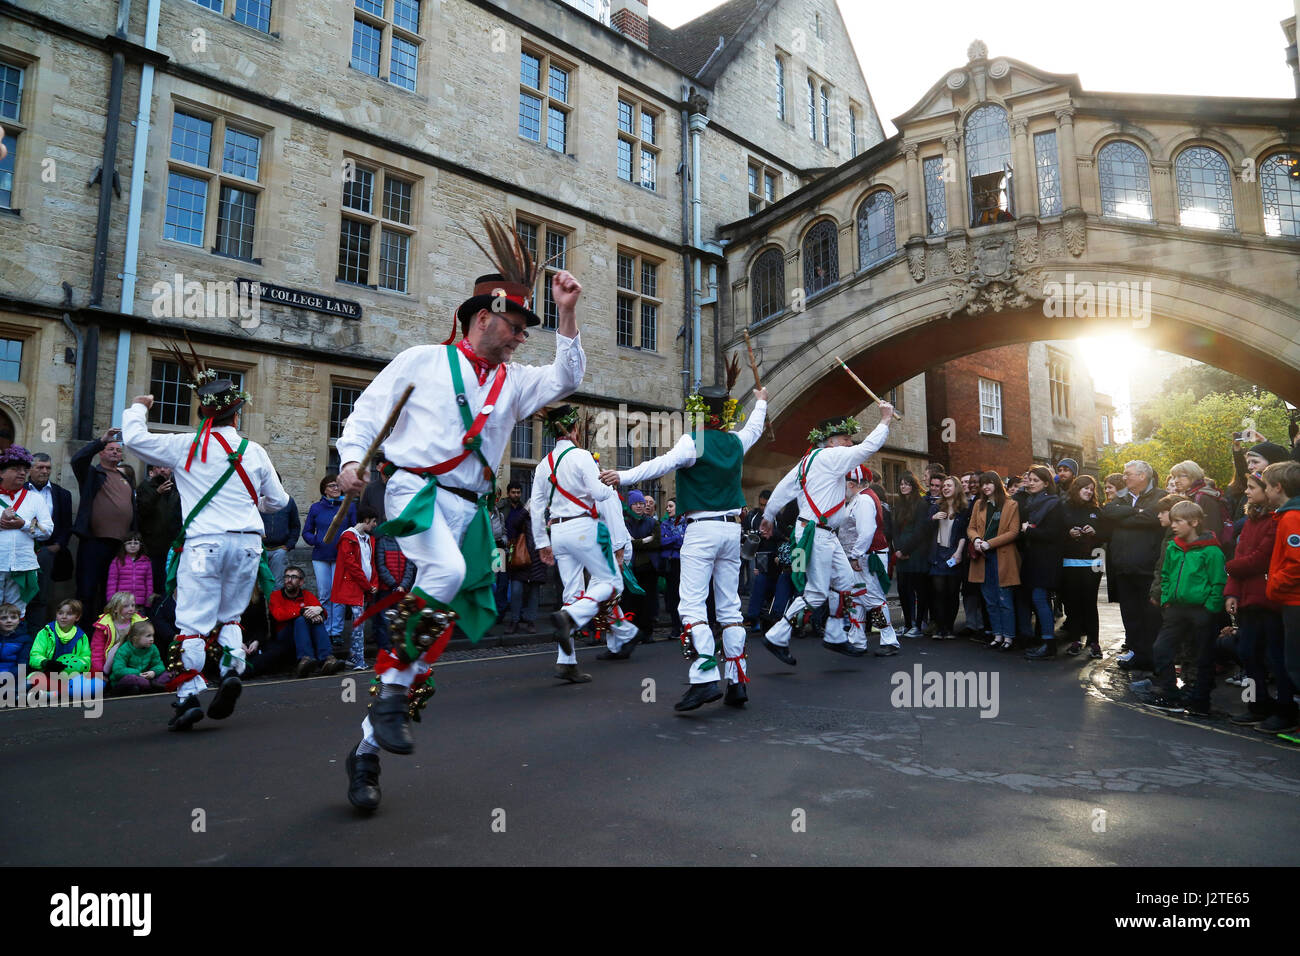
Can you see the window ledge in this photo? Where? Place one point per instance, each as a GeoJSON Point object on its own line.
{"type": "Point", "coordinates": [553, 152]}
{"type": "Point", "coordinates": [226, 255]}
{"type": "Point", "coordinates": [11, 212]}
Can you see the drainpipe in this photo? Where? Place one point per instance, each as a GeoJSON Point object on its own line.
{"type": "Point", "coordinates": [81, 345]}
{"type": "Point", "coordinates": [687, 177]}
{"type": "Point", "coordinates": [85, 411]}
{"type": "Point", "coordinates": [139, 159]}
{"type": "Point", "coordinates": [697, 124]}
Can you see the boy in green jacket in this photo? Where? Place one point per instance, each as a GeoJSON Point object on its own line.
{"type": "Point", "coordinates": [62, 648]}
{"type": "Point", "coordinates": [1191, 592]}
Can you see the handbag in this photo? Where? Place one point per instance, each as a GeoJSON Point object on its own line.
{"type": "Point", "coordinates": [520, 559]}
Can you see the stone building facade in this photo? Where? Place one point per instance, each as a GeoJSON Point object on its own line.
{"type": "Point", "coordinates": [335, 154]}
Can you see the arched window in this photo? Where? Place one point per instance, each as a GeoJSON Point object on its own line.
{"type": "Point", "coordinates": [1279, 181]}
{"type": "Point", "coordinates": [767, 284]}
{"type": "Point", "coordinates": [1125, 182]}
{"type": "Point", "coordinates": [988, 164]}
{"type": "Point", "coordinates": [821, 258]}
{"type": "Point", "coordinates": [876, 239]}
{"type": "Point", "coordinates": [1204, 189]}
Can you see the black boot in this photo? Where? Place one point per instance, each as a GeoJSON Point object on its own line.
{"type": "Point", "coordinates": [363, 777]}
{"type": "Point", "coordinates": [737, 695]}
{"type": "Point", "coordinates": [845, 648]}
{"type": "Point", "coordinates": [782, 654]}
{"type": "Point", "coordinates": [622, 654]}
{"type": "Point", "coordinates": [223, 705]}
{"type": "Point", "coordinates": [188, 713]}
{"type": "Point", "coordinates": [391, 724]}
{"type": "Point", "coordinates": [1042, 652]}
{"type": "Point", "coordinates": [563, 625]}
{"type": "Point", "coordinates": [571, 673]}
{"type": "Point", "coordinates": [698, 696]}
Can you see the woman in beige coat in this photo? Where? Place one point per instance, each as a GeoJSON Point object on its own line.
{"type": "Point", "coordinates": [995, 562]}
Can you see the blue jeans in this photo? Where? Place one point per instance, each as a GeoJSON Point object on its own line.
{"type": "Point", "coordinates": [1043, 605]}
{"type": "Point", "coordinates": [324, 585]}
{"type": "Point", "coordinates": [759, 592]}
{"type": "Point", "coordinates": [783, 595]}
{"type": "Point", "coordinates": [1259, 645]}
{"type": "Point", "coordinates": [309, 640]}
{"type": "Point", "coordinates": [1002, 613]}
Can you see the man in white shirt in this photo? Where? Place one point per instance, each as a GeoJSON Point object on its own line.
{"type": "Point", "coordinates": [25, 519]}
{"type": "Point", "coordinates": [863, 537]}
{"type": "Point", "coordinates": [708, 465]}
{"type": "Point", "coordinates": [578, 527]}
{"type": "Point", "coordinates": [458, 420]}
{"type": "Point", "coordinates": [218, 565]}
{"type": "Point", "coordinates": [818, 483]}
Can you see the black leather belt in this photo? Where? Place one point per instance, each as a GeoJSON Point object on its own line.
{"type": "Point", "coordinates": [555, 521]}
{"type": "Point", "coordinates": [471, 496]}
{"type": "Point", "coordinates": [731, 518]}
{"type": "Point", "coordinates": [820, 527]}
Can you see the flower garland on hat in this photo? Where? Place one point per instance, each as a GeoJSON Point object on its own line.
{"type": "Point", "coordinates": [819, 434]}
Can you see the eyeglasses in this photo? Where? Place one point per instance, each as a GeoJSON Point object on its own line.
{"type": "Point", "coordinates": [518, 330]}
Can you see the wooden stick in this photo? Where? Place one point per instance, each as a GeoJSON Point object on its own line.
{"type": "Point", "coordinates": [874, 397]}
{"type": "Point", "coordinates": [758, 383]}
{"type": "Point", "coordinates": [364, 463]}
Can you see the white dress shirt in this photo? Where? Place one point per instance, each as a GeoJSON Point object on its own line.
{"type": "Point", "coordinates": [231, 509]}
{"type": "Point", "coordinates": [825, 478]}
{"type": "Point", "coordinates": [683, 454]}
{"type": "Point", "coordinates": [17, 551]}
{"type": "Point", "coordinates": [429, 430]}
{"type": "Point", "coordinates": [579, 476]}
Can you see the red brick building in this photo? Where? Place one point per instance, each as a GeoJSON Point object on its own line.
{"type": "Point", "coordinates": [979, 413]}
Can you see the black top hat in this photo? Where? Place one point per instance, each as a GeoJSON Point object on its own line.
{"type": "Point", "coordinates": [561, 420]}
{"type": "Point", "coordinates": [495, 292]}
{"type": "Point", "coordinates": [715, 396]}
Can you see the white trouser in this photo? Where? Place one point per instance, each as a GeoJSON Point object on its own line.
{"type": "Point", "coordinates": [10, 593]}
{"type": "Point", "coordinates": [439, 565]}
{"type": "Point", "coordinates": [711, 553]}
{"type": "Point", "coordinates": [870, 598]}
{"type": "Point", "coordinates": [577, 550]}
{"type": "Point", "coordinates": [828, 570]}
{"type": "Point", "coordinates": [214, 582]}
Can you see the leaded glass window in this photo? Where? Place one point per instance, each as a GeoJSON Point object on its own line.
{"type": "Point", "coordinates": [767, 284]}
{"type": "Point", "coordinates": [821, 257]}
{"type": "Point", "coordinates": [1279, 182]}
{"type": "Point", "coordinates": [1125, 179]}
{"type": "Point", "coordinates": [936, 200]}
{"type": "Point", "coordinates": [988, 148]}
{"type": "Point", "coordinates": [1049, 173]}
{"type": "Point", "coordinates": [1204, 189]}
{"type": "Point", "coordinates": [876, 238]}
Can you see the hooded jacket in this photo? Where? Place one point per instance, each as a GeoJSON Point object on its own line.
{"type": "Point", "coordinates": [132, 660]}
{"type": "Point", "coordinates": [1193, 573]}
{"type": "Point", "coordinates": [75, 656]}
{"type": "Point", "coordinates": [1249, 564]}
{"type": "Point", "coordinates": [1284, 566]}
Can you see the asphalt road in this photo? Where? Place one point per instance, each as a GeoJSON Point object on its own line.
{"type": "Point", "coordinates": [515, 768]}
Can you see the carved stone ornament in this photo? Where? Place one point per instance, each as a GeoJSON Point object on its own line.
{"type": "Point", "coordinates": [17, 402]}
{"type": "Point", "coordinates": [999, 68]}
{"type": "Point", "coordinates": [936, 262]}
{"type": "Point", "coordinates": [916, 261]}
{"type": "Point", "coordinates": [993, 257]}
{"type": "Point", "coordinates": [1075, 236]}
{"type": "Point", "coordinates": [1053, 244]}
{"type": "Point", "coordinates": [956, 79]}
{"type": "Point", "coordinates": [957, 256]}
{"type": "Point", "coordinates": [1011, 292]}
{"type": "Point", "coordinates": [978, 50]}
{"type": "Point", "coordinates": [1027, 246]}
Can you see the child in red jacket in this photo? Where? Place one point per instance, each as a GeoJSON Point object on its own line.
{"type": "Point", "coordinates": [1282, 485]}
{"type": "Point", "coordinates": [1259, 620]}
{"type": "Point", "coordinates": [356, 578]}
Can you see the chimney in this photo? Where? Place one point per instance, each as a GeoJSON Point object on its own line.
{"type": "Point", "coordinates": [632, 19]}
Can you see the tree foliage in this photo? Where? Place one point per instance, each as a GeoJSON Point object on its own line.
{"type": "Point", "coordinates": [1201, 431]}
{"type": "Point", "coordinates": [1198, 381]}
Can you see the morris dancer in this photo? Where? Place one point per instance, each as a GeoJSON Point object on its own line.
{"type": "Point", "coordinates": [818, 481]}
{"type": "Point", "coordinates": [458, 420]}
{"type": "Point", "coordinates": [217, 567]}
{"type": "Point", "coordinates": [578, 526]}
{"type": "Point", "coordinates": [708, 464]}
{"type": "Point", "coordinates": [863, 537]}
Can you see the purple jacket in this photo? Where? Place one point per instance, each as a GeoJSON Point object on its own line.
{"type": "Point", "coordinates": [134, 576]}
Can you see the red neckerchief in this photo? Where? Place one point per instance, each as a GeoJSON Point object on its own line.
{"type": "Point", "coordinates": [481, 368]}
{"type": "Point", "coordinates": [17, 502]}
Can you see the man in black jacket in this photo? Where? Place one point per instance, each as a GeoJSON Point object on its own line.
{"type": "Point", "coordinates": [1135, 541]}
{"type": "Point", "coordinates": [105, 513]}
{"type": "Point", "coordinates": [52, 555]}
{"type": "Point", "coordinates": [158, 506]}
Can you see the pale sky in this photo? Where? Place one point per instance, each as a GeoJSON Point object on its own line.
{"type": "Point", "coordinates": [1203, 47]}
